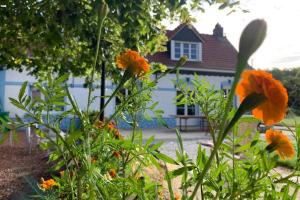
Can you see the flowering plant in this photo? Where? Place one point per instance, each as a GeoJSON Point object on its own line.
{"type": "Point", "coordinates": [95, 161]}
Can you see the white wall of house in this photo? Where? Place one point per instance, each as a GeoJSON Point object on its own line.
{"type": "Point", "coordinates": [165, 93]}
{"type": "Point", "coordinates": [14, 80]}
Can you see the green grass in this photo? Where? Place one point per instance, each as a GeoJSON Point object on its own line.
{"type": "Point", "coordinates": [290, 121]}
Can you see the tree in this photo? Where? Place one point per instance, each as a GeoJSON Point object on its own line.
{"type": "Point", "coordinates": [60, 36]}
{"type": "Point", "coordinates": [56, 36]}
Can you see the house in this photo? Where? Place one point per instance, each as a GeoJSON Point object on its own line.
{"type": "Point", "coordinates": [210, 56]}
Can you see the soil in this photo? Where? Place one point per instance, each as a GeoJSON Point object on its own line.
{"type": "Point", "coordinates": [16, 163]}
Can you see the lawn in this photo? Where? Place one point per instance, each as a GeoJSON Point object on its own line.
{"type": "Point", "coordinates": [291, 121]}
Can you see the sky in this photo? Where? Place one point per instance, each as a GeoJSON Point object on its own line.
{"type": "Point", "coordinates": [281, 48]}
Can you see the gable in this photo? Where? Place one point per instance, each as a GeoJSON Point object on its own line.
{"type": "Point", "coordinates": [187, 34]}
{"type": "Point", "coordinates": [218, 54]}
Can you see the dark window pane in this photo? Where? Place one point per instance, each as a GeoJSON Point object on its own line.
{"type": "Point", "coordinates": [177, 50]}
{"type": "Point", "coordinates": [180, 111]}
{"type": "Point", "coordinates": [191, 110]}
{"type": "Point", "coordinates": [180, 108]}
{"type": "Point", "coordinates": [186, 50]}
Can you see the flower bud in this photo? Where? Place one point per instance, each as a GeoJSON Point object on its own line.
{"type": "Point", "coordinates": [103, 11]}
{"type": "Point", "coordinates": [252, 37]}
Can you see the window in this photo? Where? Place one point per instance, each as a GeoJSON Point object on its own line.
{"type": "Point", "coordinates": [226, 92]}
{"type": "Point", "coordinates": [177, 50]}
{"type": "Point", "coordinates": [180, 107]}
{"type": "Point", "coordinates": [35, 94]}
{"type": "Point", "coordinates": [184, 109]}
{"type": "Point", "coordinates": [191, 109]}
{"type": "Point", "coordinates": [191, 50]}
{"type": "Point", "coordinates": [186, 50]}
{"type": "Point", "coordinates": [194, 51]}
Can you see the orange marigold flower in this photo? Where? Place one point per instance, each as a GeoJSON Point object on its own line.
{"type": "Point", "coordinates": [116, 154]}
{"type": "Point", "coordinates": [281, 143]}
{"type": "Point", "coordinates": [177, 196]}
{"type": "Point", "coordinates": [48, 184]}
{"type": "Point", "coordinates": [112, 173]}
{"type": "Point", "coordinates": [111, 128]}
{"type": "Point", "coordinates": [273, 109]}
{"type": "Point", "coordinates": [118, 135]}
{"type": "Point", "coordinates": [134, 62]}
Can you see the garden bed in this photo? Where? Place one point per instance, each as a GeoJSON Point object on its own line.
{"type": "Point", "coordinates": [16, 163]}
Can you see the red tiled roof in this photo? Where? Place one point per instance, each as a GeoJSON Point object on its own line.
{"type": "Point", "coordinates": [217, 53]}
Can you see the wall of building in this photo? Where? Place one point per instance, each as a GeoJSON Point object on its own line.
{"type": "Point", "coordinates": [2, 89]}
{"type": "Point", "coordinates": [165, 93]}
{"type": "Point", "coordinates": [14, 80]}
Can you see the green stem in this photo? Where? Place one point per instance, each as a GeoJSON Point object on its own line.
{"type": "Point", "coordinates": [100, 24]}
{"type": "Point", "coordinates": [233, 163]}
{"type": "Point", "coordinates": [204, 171]}
{"type": "Point", "coordinates": [123, 81]}
{"type": "Point", "coordinates": [240, 68]}
{"type": "Point", "coordinates": [169, 182]}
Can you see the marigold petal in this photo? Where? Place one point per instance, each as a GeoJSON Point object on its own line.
{"type": "Point", "coordinates": [132, 61]}
{"type": "Point", "coordinates": [281, 143]}
{"type": "Point", "coordinates": [257, 81]}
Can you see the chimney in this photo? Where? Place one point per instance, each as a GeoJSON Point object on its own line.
{"type": "Point", "coordinates": [218, 31]}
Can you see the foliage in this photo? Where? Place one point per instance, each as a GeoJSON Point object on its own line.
{"type": "Point", "coordinates": [88, 154]}
{"type": "Point", "coordinates": [234, 169]}
{"type": "Point", "coordinates": [210, 101]}
{"type": "Point", "coordinates": [59, 36]}
{"type": "Point", "coordinates": [94, 160]}
{"type": "Point", "coordinates": [242, 169]}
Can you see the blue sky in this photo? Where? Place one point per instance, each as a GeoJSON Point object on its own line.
{"type": "Point", "coordinates": [282, 46]}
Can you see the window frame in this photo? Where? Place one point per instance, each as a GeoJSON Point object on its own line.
{"type": "Point", "coordinates": [174, 48]}
{"type": "Point", "coordinates": [185, 107]}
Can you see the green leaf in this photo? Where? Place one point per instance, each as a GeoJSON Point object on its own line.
{"type": "Point", "coordinates": [19, 119]}
{"type": "Point", "coordinates": [147, 116]}
{"type": "Point", "coordinates": [22, 91]}
{"type": "Point", "coordinates": [27, 101]}
{"type": "Point", "coordinates": [149, 141]}
{"type": "Point", "coordinates": [156, 146]}
{"type": "Point", "coordinates": [253, 143]}
{"type": "Point", "coordinates": [180, 171]}
{"type": "Point", "coordinates": [42, 90]}
{"type": "Point", "coordinates": [59, 103]}
{"type": "Point", "coordinates": [249, 103]}
{"type": "Point", "coordinates": [243, 148]}
{"type": "Point", "coordinates": [73, 136]}
{"type": "Point", "coordinates": [16, 103]}
{"type": "Point", "coordinates": [165, 158]}
{"type": "Point", "coordinates": [179, 139]}
{"type": "Point", "coordinates": [62, 79]}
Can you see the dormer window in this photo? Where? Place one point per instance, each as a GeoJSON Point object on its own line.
{"type": "Point", "coordinates": [193, 50]}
